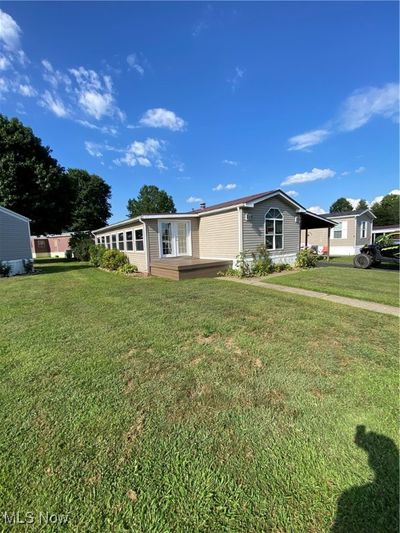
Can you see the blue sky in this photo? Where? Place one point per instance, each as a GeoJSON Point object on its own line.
{"type": "Point", "coordinates": [211, 101]}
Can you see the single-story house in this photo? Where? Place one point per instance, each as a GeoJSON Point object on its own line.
{"type": "Point", "coordinates": [15, 236]}
{"type": "Point", "coordinates": [50, 245]}
{"type": "Point", "coordinates": [353, 230]}
{"type": "Point", "coordinates": [203, 241]}
{"type": "Point", "coordinates": [380, 231]}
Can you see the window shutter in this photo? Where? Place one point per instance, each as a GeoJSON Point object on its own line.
{"type": "Point", "coordinates": [344, 229]}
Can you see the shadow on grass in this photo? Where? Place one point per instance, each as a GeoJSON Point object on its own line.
{"type": "Point", "coordinates": [372, 507]}
{"type": "Point", "coordinates": [59, 265]}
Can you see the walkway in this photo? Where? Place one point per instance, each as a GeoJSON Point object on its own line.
{"type": "Point", "coordinates": [352, 302]}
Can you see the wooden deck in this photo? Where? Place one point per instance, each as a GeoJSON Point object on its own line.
{"type": "Point", "coordinates": [187, 267]}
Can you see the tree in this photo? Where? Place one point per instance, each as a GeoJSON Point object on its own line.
{"type": "Point", "coordinates": [80, 243]}
{"type": "Point", "coordinates": [340, 205]}
{"type": "Point", "coordinates": [90, 208]}
{"type": "Point", "coordinates": [150, 199]}
{"type": "Point", "coordinates": [362, 204]}
{"type": "Point", "coordinates": [387, 210]}
{"type": "Point", "coordinates": [32, 182]}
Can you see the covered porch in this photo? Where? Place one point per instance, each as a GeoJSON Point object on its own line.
{"type": "Point", "coordinates": [178, 268]}
{"type": "Point", "coordinates": [312, 221]}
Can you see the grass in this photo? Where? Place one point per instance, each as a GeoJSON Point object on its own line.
{"type": "Point", "coordinates": [376, 285]}
{"type": "Point", "coordinates": [342, 259]}
{"type": "Point", "coordinates": [197, 406]}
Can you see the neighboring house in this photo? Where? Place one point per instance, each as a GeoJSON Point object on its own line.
{"type": "Point", "coordinates": [15, 238]}
{"type": "Point", "coordinates": [50, 245]}
{"type": "Point", "coordinates": [205, 240]}
{"type": "Point", "coordinates": [380, 231]}
{"type": "Point", "coordinates": [353, 230]}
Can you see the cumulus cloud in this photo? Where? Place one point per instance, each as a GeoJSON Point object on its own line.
{"type": "Point", "coordinates": [318, 210]}
{"type": "Point", "coordinates": [227, 187]}
{"type": "Point", "coordinates": [307, 139]}
{"type": "Point", "coordinates": [313, 175]}
{"type": "Point", "coordinates": [162, 118]}
{"type": "Point", "coordinates": [10, 32]}
{"type": "Point", "coordinates": [194, 200]}
{"type": "Point", "coordinates": [358, 109]}
{"type": "Point", "coordinates": [293, 194]}
{"type": "Point", "coordinates": [143, 153]}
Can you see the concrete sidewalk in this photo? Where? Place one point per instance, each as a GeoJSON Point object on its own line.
{"type": "Point", "coordinates": [352, 302]}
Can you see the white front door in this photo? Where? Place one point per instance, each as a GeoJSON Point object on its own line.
{"type": "Point", "coordinates": [175, 238]}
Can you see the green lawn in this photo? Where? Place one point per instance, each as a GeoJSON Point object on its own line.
{"type": "Point", "coordinates": [375, 285]}
{"type": "Point", "coordinates": [342, 259]}
{"type": "Point", "coordinates": [149, 405]}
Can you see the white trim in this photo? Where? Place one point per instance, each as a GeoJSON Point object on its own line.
{"type": "Point", "coordinates": [271, 195]}
{"type": "Point", "coordinates": [351, 215]}
{"type": "Point", "coordinates": [174, 242]}
{"type": "Point", "coordinates": [274, 234]}
{"type": "Point", "coordinates": [146, 247]}
{"type": "Point", "coordinates": [14, 214]}
{"type": "Point", "coordinates": [170, 216]}
{"type": "Point", "coordinates": [364, 229]}
{"type": "Point", "coordinates": [134, 239]}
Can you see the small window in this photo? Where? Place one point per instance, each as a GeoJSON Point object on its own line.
{"type": "Point", "coordinates": [139, 245]}
{"type": "Point", "coordinates": [338, 231]}
{"type": "Point", "coordinates": [107, 241]}
{"type": "Point", "coordinates": [113, 241]}
{"type": "Point", "coordinates": [274, 229]}
{"type": "Point", "coordinates": [363, 229]}
{"type": "Point", "coordinates": [102, 240]}
{"type": "Point", "coordinates": [120, 241]}
{"type": "Point", "coordinates": [129, 240]}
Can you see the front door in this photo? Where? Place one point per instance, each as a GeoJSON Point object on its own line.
{"type": "Point", "coordinates": [175, 238]}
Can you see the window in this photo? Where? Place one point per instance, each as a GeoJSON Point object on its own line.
{"type": "Point", "coordinates": [129, 240]}
{"type": "Point", "coordinates": [113, 241]}
{"type": "Point", "coordinates": [102, 240]}
{"type": "Point", "coordinates": [108, 241]}
{"type": "Point", "coordinates": [97, 240]}
{"type": "Point", "coordinates": [120, 241]}
{"type": "Point", "coordinates": [139, 246]}
{"type": "Point", "coordinates": [363, 229]}
{"type": "Point", "coordinates": [338, 231]}
{"type": "Point", "coordinates": [274, 229]}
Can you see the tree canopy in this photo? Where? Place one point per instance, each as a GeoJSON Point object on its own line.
{"type": "Point", "coordinates": [90, 207]}
{"type": "Point", "coordinates": [362, 204]}
{"type": "Point", "coordinates": [32, 182]}
{"type": "Point", "coordinates": [387, 210]}
{"type": "Point", "coordinates": [150, 199]}
{"type": "Point", "coordinates": [341, 204]}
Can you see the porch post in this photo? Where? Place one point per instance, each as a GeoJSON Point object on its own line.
{"type": "Point", "coordinates": [329, 242]}
{"type": "Point", "coordinates": [306, 238]}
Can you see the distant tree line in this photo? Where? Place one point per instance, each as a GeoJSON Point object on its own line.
{"type": "Point", "coordinates": [387, 211]}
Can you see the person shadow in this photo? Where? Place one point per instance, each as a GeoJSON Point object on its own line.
{"type": "Point", "coordinates": [374, 507]}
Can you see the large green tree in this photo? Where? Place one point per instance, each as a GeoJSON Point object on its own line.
{"type": "Point", "coordinates": [341, 204]}
{"type": "Point", "coordinates": [362, 204]}
{"type": "Point", "coordinates": [90, 208]}
{"type": "Point", "coordinates": [151, 199]}
{"type": "Point", "coordinates": [387, 210]}
{"type": "Point", "coordinates": [32, 182]}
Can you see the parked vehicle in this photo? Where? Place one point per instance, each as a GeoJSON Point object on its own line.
{"type": "Point", "coordinates": [386, 250]}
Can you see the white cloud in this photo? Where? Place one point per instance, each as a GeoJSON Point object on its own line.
{"type": "Point", "coordinates": [10, 32]}
{"type": "Point", "coordinates": [292, 193]}
{"type": "Point", "coordinates": [54, 104]}
{"type": "Point", "coordinates": [180, 167]}
{"type": "Point", "coordinates": [4, 63]}
{"type": "Point", "coordinates": [143, 153]}
{"type": "Point", "coordinates": [356, 111]}
{"type": "Point", "coordinates": [308, 139]}
{"type": "Point", "coordinates": [378, 199]}
{"type": "Point", "coordinates": [194, 200]}
{"type": "Point", "coordinates": [360, 107]}
{"type": "Point", "coordinates": [96, 104]}
{"type": "Point", "coordinates": [134, 64]}
{"type": "Point", "coordinates": [110, 130]}
{"type": "Point", "coordinates": [162, 118]}
{"type": "Point", "coordinates": [55, 77]}
{"type": "Point", "coordinates": [227, 187]}
{"type": "Point", "coordinates": [235, 80]}
{"type": "Point", "coordinates": [93, 149]}
{"type": "Point", "coordinates": [25, 89]}
{"type": "Point", "coordinates": [313, 175]}
{"type": "Point", "coordinates": [345, 173]}
{"type": "Point", "coordinates": [318, 210]}
{"type": "Point", "coordinates": [360, 170]}
{"type": "Point", "coordinates": [230, 162]}
{"type": "Point", "coordinates": [354, 202]}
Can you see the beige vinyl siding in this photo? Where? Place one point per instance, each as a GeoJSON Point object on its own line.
{"type": "Point", "coordinates": [254, 229]}
{"type": "Point", "coordinates": [350, 240]}
{"type": "Point", "coordinates": [316, 237]}
{"type": "Point", "coordinates": [15, 241]}
{"type": "Point", "coordinates": [137, 258]}
{"type": "Point", "coordinates": [195, 237]}
{"type": "Point", "coordinates": [219, 235]}
{"type": "Point", "coordinates": [364, 218]}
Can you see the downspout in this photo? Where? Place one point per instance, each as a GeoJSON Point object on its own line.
{"type": "Point", "coordinates": [146, 247]}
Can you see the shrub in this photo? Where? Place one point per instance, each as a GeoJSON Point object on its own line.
{"type": "Point", "coordinates": [262, 262]}
{"type": "Point", "coordinates": [127, 269]}
{"type": "Point", "coordinates": [5, 269]}
{"type": "Point", "coordinates": [113, 259]}
{"type": "Point", "coordinates": [280, 267]}
{"type": "Point", "coordinates": [228, 272]}
{"type": "Point", "coordinates": [243, 267]}
{"type": "Point", "coordinates": [96, 252]}
{"type": "Point", "coordinates": [80, 244]}
{"type": "Point", "coordinates": [28, 266]}
{"type": "Point", "coordinates": [68, 255]}
{"type": "Point", "coordinates": [306, 258]}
